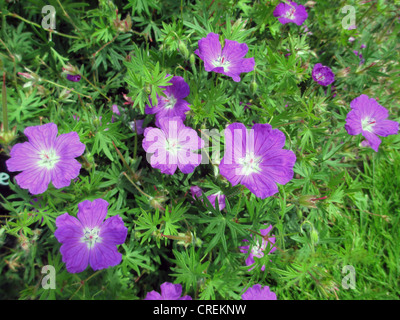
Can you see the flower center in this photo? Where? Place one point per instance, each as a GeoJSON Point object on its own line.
{"type": "Point", "coordinates": [368, 124]}
{"type": "Point", "coordinates": [250, 164]}
{"type": "Point", "coordinates": [172, 146]}
{"type": "Point", "coordinates": [221, 62]}
{"type": "Point", "coordinates": [257, 250]}
{"type": "Point", "coordinates": [48, 159]}
{"type": "Point", "coordinates": [290, 14]}
{"type": "Point", "coordinates": [320, 77]}
{"type": "Point", "coordinates": [91, 236]}
{"type": "Point", "coordinates": [170, 102]}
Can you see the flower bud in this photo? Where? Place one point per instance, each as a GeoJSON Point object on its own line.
{"type": "Point", "coordinates": [314, 236]}
{"type": "Point", "coordinates": [192, 59]}
{"type": "Point", "coordinates": [183, 49]}
{"type": "Point", "coordinates": [343, 72]}
{"type": "Point", "coordinates": [7, 137]}
{"type": "Point", "coordinates": [253, 87]}
{"type": "Point", "coordinates": [307, 201]}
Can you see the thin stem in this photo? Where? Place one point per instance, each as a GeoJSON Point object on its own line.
{"type": "Point", "coordinates": [69, 89]}
{"type": "Point", "coordinates": [97, 89]}
{"type": "Point", "coordinates": [14, 15]}
{"type": "Point", "coordinates": [137, 188]}
{"type": "Point", "coordinates": [4, 104]}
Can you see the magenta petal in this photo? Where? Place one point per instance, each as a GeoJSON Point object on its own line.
{"type": "Point", "coordinates": [64, 171]}
{"type": "Point", "coordinates": [36, 180]}
{"type": "Point", "coordinates": [68, 228]}
{"type": "Point", "coordinates": [68, 145]}
{"type": "Point", "coordinates": [373, 140]}
{"type": "Point", "coordinates": [170, 291]}
{"type": "Point", "coordinates": [113, 231]}
{"type": "Point", "coordinates": [42, 137]}
{"type": "Point", "coordinates": [92, 213]}
{"type": "Point", "coordinates": [75, 255]}
{"type": "Point", "coordinates": [256, 292]}
{"type": "Point", "coordinates": [23, 157]}
{"type": "Point", "coordinates": [104, 255]}
{"type": "Point", "coordinates": [153, 295]}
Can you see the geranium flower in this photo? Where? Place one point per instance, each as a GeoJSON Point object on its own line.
{"type": "Point", "coordinates": [257, 292]}
{"type": "Point", "coordinates": [290, 13]}
{"type": "Point", "coordinates": [46, 158]}
{"type": "Point", "coordinates": [255, 158]}
{"type": "Point", "coordinates": [172, 146]}
{"type": "Point", "coordinates": [323, 75]}
{"type": "Point", "coordinates": [173, 105]}
{"type": "Point", "coordinates": [169, 291]}
{"type": "Point", "coordinates": [89, 239]}
{"type": "Point", "coordinates": [229, 61]}
{"type": "Point", "coordinates": [258, 250]}
{"type": "Point", "coordinates": [368, 117]}
{"type": "Point", "coordinates": [197, 192]}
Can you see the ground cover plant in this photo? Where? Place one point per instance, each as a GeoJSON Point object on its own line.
{"type": "Point", "coordinates": [200, 150]}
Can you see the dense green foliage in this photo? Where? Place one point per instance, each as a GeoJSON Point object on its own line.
{"type": "Point", "coordinates": [172, 237]}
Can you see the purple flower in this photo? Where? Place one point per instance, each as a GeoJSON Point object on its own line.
{"type": "Point", "coordinates": [115, 111]}
{"type": "Point", "coordinates": [368, 117]}
{"type": "Point", "coordinates": [172, 146]}
{"type": "Point", "coordinates": [46, 158]}
{"type": "Point", "coordinates": [258, 250]}
{"type": "Point", "coordinates": [291, 12]}
{"type": "Point", "coordinates": [197, 192]}
{"type": "Point", "coordinates": [89, 239]}
{"type": "Point", "coordinates": [139, 124]}
{"type": "Point", "coordinates": [74, 78]}
{"type": "Point", "coordinates": [352, 39]}
{"type": "Point", "coordinates": [255, 158]}
{"type": "Point", "coordinates": [229, 61]}
{"type": "Point", "coordinates": [363, 46]}
{"type": "Point", "coordinates": [257, 292]}
{"type": "Point", "coordinates": [169, 291]}
{"type": "Point", "coordinates": [173, 105]}
{"type": "Point", "coordinates": [323, 75]}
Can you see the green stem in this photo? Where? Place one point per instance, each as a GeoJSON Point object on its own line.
{"type": "Point", "coordinates": [4, 104]}
{"type": "Point", "coordinates": [69, 89]}
{"type": "Point", "coordinates": [14, 15]}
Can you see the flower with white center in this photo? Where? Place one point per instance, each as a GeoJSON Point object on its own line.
{"type": "Point", "coordinates": [46, 158]}
{"type": "Point", "coordinates": [172, 146]}
{"type": "Point", "coordinates": [255, 158]}
{"type": "Point", "coordinates": [369, 118]}
{"type": "Point", "coordinates": [229, 60]}
{"type": "Point", "coordinates": [290, 12]}
{"type": "Point", "coordinates": [90, 239]}
{"type": "Point", "coordinates": [173, 104]}
{"type": "Point", "coordinates": [258, 250]}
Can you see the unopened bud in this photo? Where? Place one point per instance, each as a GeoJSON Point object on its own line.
{"type": "Point", "coordinates": [7, 137]}
{"type": "Point", "coordinates": [314, 236]}
{"type": "Point", "coordinates": [343, 72]}
{"type": "Point", "coordinates": [253, 87]}
{"type": "Point", "coordinates": [183, 49]}
{"type": "Point", "coordinates": [307, 201]}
